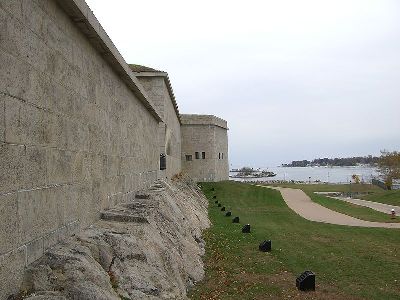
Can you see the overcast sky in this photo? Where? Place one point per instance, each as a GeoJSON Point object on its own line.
{"type": "Point", "coordinates": [294, 79]}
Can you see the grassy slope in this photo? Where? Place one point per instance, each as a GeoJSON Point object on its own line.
{"type": "Point", "coordinates": [376, 194]}
{"type": "Point", "coordinates": [334, 187]}
{"type": "Point", "coordinates": [388, 197]}
{"type": "Point", "coordinates": [356, 211]}
{"type": "Point", "coordinates": [360, 212]}
{"type": "Point", "coordinates": [349, 262]}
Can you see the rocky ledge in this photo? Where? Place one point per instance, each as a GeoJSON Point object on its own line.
{"type": "Point", "coordinates": [149, 248]}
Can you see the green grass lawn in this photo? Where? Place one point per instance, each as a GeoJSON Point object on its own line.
{"type": "Point", "coordinates": [374, 194]}
{"type": "Point", "coordinates": [349, 262]}
{"type": "Point", "coordinates": [361, 188]}
{"type": "Point", "coordinates": [357, 211]}
{"type": "Point", "coordinates": [382, 196]}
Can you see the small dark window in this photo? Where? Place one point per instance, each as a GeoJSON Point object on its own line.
{"type": "Point", "coordinates": [222, 156]}
{"type": "Point", "coordinates": [197, 155]}
{"type": "Point", "coordinates": [203, 155]}
{"type": "Point", "coordinates": [188, 158]}
{"type": "Point", "coordinates": [163, 162]}
{"type": "Point", "coordinates": [219, 155]}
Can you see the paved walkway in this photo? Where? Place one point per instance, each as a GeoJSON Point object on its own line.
{"type": "Point", "coordinates": [385, 208]}
{"type": "Point", "coordinates": [300, 203]}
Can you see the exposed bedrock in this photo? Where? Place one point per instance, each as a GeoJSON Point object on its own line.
{"type": "Point", "coordinates": [149, 248]}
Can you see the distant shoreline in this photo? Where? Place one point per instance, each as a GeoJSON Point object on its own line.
{"type": "Point", "coordinates": [367, 161]}
{"type": "Point", "coordinates": [331, 174]}
{"type": "Point", "coordinates": [328, 166]}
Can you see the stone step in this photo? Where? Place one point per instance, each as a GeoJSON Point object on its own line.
{"type": "Point", "coordinates": [142, 196]}
{"type": "Point", "coordinates": [156, 189]}
{"type": "Point", "coordinates": [123, 217]}
{"type": "Point", "coordinates": [139, 206]}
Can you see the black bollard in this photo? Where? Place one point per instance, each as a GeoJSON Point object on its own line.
{"type": "Point", "coordinates": [223, 208]}
{"type": "Point", "coordinates": [306, 281]}
{"type": "Point", "coordinates": [228, 214]}
{"type": "Point", "coordinates": [246, 228]}
{"type": "Point", "coordinates": [235, 220]}
{"type": "Point", "coordinates": [219, 204]}
{"type": "Point", "coordinates": [265, 246]}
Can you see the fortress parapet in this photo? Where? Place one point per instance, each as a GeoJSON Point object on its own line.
{"type": "Point", "coordinates": [203, 120]}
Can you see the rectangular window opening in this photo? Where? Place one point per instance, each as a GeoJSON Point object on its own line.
{"type": "Point", "coordinates": [203, 155]}
{"type": "Point", "coordinates": [197, 155]}
{"type": "Point", "coordinates": [219, 155]}
{"type": "Point", "coordinates": [222, 156]}
{"type": "Point", "coordinates": [163, 162]}
{"type": "Point", "coordinates": [188, 157]}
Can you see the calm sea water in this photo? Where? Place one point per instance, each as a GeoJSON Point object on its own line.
{"type": "Point", "coordinates": [324, 174]}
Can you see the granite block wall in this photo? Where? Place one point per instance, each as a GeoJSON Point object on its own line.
{"type": "Point", "coordinates": [221, 153]}
{"type": "Point", "coordinates": [74, 138]}
{"type": "Point", "coordinates": [170, 128]}
{"type": "Point", "coordinates": [205, 133]}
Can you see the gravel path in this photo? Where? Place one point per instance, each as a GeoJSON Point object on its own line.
{"type": "Point", "coordinates": [300, 203]}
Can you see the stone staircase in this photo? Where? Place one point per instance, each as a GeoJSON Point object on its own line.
{"type": "Point", "coordinates": [138, 210]}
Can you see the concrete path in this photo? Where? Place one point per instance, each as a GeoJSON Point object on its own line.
{"type": "Point", "coordinates": [385, 208]}
{"type": "Point", "coordinates": [300, 203]}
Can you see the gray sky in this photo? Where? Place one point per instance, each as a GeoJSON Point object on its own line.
{"type": "Point", "coordinates": [294, 79]}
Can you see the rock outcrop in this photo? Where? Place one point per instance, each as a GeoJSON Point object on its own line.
{"type": "Point", "coordinates": [149, 248]}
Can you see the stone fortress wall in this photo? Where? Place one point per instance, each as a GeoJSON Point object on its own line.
{"type": "Point", "coordinates": [221, 153]}
{"type": "Point", "coordinates": [79, 132]}
{"type": "Point", "coordinates": [205, 147]}
{"type": "Point", "coordinates": [75, 138]}
{"type": "Point", "coordinates": [158, 88]}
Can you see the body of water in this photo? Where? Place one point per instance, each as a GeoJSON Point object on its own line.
{"type": "Point", "coordinates": [323, 174]}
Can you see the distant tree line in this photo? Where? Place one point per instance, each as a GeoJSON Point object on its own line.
{"type": "Point", "coordinates": [339, 162]}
